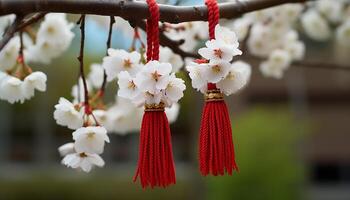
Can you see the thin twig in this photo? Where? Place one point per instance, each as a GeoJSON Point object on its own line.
{"type": "Point", "coordinates": [108, 45]}
{"type": "Point", "coordinates": [81, 62]}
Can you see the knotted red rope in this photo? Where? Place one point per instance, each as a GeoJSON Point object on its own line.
{"type": "Point", "coordinates": [155, 165]}
{"type": "Point", "coordinates": [216, 151]}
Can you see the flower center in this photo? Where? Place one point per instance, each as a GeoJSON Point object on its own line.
{"type": "Point", "coordinates": [156, 76]}
{"type": "Point", "coordinates": [131, 85]}
{"type": "Point", "coordinates": [51, 30]}
{"type": "Point", "coordinates": [230, 76]}
{"type": "Point", "coordinates": [127, 63]}
{"type": "Point", "coordinates": [83, 155]}
{"type": "Point", "coordinates": [216, 68]}
{"type": "Point", "coordinates": [218, 53]}
{"type": "Point", "coordinates": [90, 135]}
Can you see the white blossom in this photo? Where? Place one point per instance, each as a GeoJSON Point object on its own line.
{"type": "Point", "coordinates": [11, 89]}
{"type": "Point", "coordinates": [84, 161]}
{"type": "Point", "coordinates": [241, 27]}
{"type": "Point", "coordinates": [217, 71]}
{"type": "Point", "coordinates": [123, 117]}
{"type": "Point", "coordinates": [6, 21]}
{"type": "Point", "coordinates": [90, 139]}
{"type": "Point", "coordinates": [331, 9]}
{"type": "Point", "coordinates": [224, 47]}
{"type": "Point", "coordinates": [32, 82]}
{"type": "Point", "coordinates": [190, 32]}
{"type": "Point", "coordinates": [66, 114]}
{"type": "Point", "coordinates": [173, 112]}
{"type": "Point", "coordinates": [78, 90]}
{"type": "Point", "coordinates": [343, 33]}
{"type": "Point", "coordinates": [120, 60]}
{"type": "Point", "coordinates": [153, 77]}
{"type": "Point", "coordinates": [237, 78]}
{"type": "Point", "coordinates": [197, 73]}
{"type": "Point", "coordinates": [95, 76]}
{"type": "Point", "coordinates": [167, 55]}
{"type": "Point", "coordinates": [315, 26]}
{"type": "Point", "coordinates": [174, 90]}
{"type": "Point", "coordinates": [295, 49]}
{"type": "Point", "coordinates": [54, 36]}
{"type": "Point", "coordinates": [127, 86]}
{"type": "Point", "coordinates": [66, 149]}
{"type": "Point", "coordinates": [9, 54]}
{"type": "Point", "coordinates": [276, 64]}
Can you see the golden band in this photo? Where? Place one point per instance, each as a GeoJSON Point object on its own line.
{"type": "Point", "coordinates": [213, 95]}
{"type": "Point", "coordinates": [154, 107]}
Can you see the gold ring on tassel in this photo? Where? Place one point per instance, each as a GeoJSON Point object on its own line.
{"type": "Point", "coordinates": [154, 107]}
{"type": "Point", "coordinates": [213, 95]}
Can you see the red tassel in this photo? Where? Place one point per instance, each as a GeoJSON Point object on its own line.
{"type": "Point", "coordinates": [216, 150]}
{"type": "Point", "coordinates": [155, 164]}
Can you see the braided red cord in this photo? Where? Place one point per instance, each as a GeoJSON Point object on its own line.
{"type": "Point", "coordinates": [155, 165]}
{"type": "Point", "coordinates": [213, 16]}
{"type": "Point", "coordinates": [216, 151]}
{"type": "Point", "coordinates": [152, 30]}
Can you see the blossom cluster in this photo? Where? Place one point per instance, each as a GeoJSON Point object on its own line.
{"type": "Point", "coordinates": [272, 36]}
{"type": "Point", "coordinates": [89, 139]}
{"type": "Point", "coordinates": [153, 84]}
{"type": "Point", "coordinates": [217, 68]}
{"type": "Point", "coordinates": [17, 81]}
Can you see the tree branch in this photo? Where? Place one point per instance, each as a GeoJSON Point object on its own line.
{"type": "Point", "coordinates": [31, 20]}
{"type": "Point", "coordinates": [10, 31]}
{"type": "Point", "coordinates": [135, 10]}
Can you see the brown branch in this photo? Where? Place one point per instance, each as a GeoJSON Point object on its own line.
{"type": "Point", "coordinates": [167, 42]}
{"type": "Point", "coordinates": [135, 10]}
{"type": "Point", "coordinates": [10, 31]}
{"type": "Point", "coordinates": [19, 24]}
{"type": "Point", "coordinates": [31, 20]}
{"type": "Point", "coordinates": [81, 62]}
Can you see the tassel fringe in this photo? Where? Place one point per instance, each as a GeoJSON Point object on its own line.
{"type": "Point", "coordinates": [216, 149]}
{"type": "Point", "coordinates": [155, 165]}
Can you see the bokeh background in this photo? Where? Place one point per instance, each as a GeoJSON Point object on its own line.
{"type": "Point", "coordinates": [291, 137]}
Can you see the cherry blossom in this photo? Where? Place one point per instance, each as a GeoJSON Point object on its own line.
{"type": "Point", "coordinates": [67, 114]}
{"type": "Point", "coordinates": [53, 38]}
{"type": "Point", "coordinates": [277, 63]}
{"type": "Point", "coordinates": [95, 76]}
{"type": "Point", "coordinates": [34, 81]}
{"type": "Point", "coordinates": [90, 139]}
{"type": "Point", "coordinates": [9, 54]}
{"type": "Point", "coordinates": [197, 73]}
{"type": "Point", "coordinates": [84, 161]}
{"type": "Point", "coordinates": [66, 149]}
{"type": "Point", "coordinates": [127, 86]}
{"type": "Point", "coordinates": [153, 77]}
{"type": "Point", "coordinates": [167, 55]}
{"type": "Point", "coordinates": [174, 90]}
{"type": "Point", "coordinates": [237, 77]}
{"type": "Point", "coordinates": [315, 26]}
{"type": "Point", "coordinates": [11, 89]}
{"type": "Point", "coordinates": [216, 71]}
{"type": "Point", "coordinates": [172, 112]}
{"type": "Point", "coordinates": [120, 60]}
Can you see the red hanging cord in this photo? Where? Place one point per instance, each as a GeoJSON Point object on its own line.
{"type": "Point", "coordinates": [216, 150]}
{"type": "Point", "coordinates": [156, 164]}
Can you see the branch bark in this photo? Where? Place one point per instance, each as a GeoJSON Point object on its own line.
{"type": "Point", "coordinates": [10, 31]}
{"type": "Point", "coordinates": [135, 10]}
